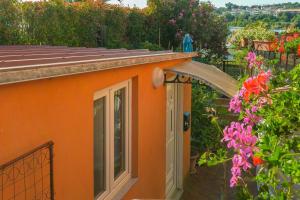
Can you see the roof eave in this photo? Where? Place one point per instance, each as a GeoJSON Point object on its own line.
{"type": "Point", "coordinates": [37, 72]}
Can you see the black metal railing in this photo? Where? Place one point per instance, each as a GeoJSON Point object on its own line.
{"type": "Point", "coordinates": [30, 176]}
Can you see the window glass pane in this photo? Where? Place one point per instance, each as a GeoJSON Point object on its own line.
{"type": "Point", "coordinates": [99, 146]}
{"type": "Point", "coordinates": [119, 131]}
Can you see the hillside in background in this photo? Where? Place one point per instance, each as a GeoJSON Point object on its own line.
{"type": "Point", "coordinates": [276, 15]}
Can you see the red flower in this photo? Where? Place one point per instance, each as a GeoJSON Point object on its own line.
{"type": "Point", "coordinates": [252, 86]}
{"type": "Point", "coordinates": [256, 85]}
{"type": "Point", "coordinates": [298, 50]}
{"type": "Point", "coordinates": [257, 160]}
{"type": "Point", "coordinates": [289, 38]}
{"type": "Point", "coordinates": [262, 79]}
{"type": "Point", "coordinates": [296, 35]}
{"type": "Point", "coordinates": [246, 95]}
{"type": "Point", "coordinates": [281, 48]}
{"type": "Point", "coordinates": [274, 45]}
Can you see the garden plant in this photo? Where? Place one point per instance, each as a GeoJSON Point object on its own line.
{"type": "Point", "coordinates": [254, 31]}
{"type": "Point", "coordinates": [264, 144]}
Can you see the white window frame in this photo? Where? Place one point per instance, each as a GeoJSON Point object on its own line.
{"type": "Point", "coordinates": [100, 95]}
{"type": "Point", "coordinates": [113, 187]}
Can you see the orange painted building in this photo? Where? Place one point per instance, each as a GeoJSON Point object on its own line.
{"type": "Point", "coordinates": [117, 129]}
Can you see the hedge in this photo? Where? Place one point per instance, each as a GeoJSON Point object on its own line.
{"type": "Point", "coordinates": [97, 24]}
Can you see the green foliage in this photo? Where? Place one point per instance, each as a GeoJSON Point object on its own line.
{"type": "Point", "coordinates": [9, 16]}
{"type": "Point", "coordinates": [292, 29]}
{"type": "Point", "coordinates": [210, 30]}
{"type": "Point", "coordinates": [212, 159]}
{"type": "Point", "coordinates": [86, 23]}
{"type": "Point", "coordinates": [240, 56]}
{"type": "Point", "coordinates": [243, 16]}
{"type": "Point", "coordinates": [95, 23]}
{"type": "Point", "coordinates": [206, 133]}
{"type": "Point", "coordinates": [253, 31]}
{"type": "Point", "coordinates": [150, 46]}
{"type": "Point", "coordinates": [116, 24]}
{"type": "Point", "coordinates": [280, 140]}
{"type": "Point", "coordinates": [55, 23]}
{"type": "Point", "coordinates": [292, 46]}
{"type": "Point", "coordinates": [243, 194]}
{"type": "Point", "coordinates": [136, 28]}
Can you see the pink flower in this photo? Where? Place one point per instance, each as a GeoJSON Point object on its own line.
{"type": "Point", "coordinates": [254, 109]}
{"type": "Point", "coordinates": [235, 104]}
{"type": "Point", "coordinates": [251, 57]}
{"type": "Point", "coordinates": [240, 161]}
{"type": "Point", "coordinates": [262, 101]}
{"type": "Point", "coordinates": [246, 165]}
{"type": "Point", "coordinates": [241, 92]}
{"type": "Point", "coordinates": [251, 118]}
{"type": "Point", "coordinates": [252, 60]}
{"type": "Point", "coordinates": [172, 21]}
{"type": "Point", "coordinates": [239, 135]}
{"type": "Point", "coordinates": [236, 171]}
{"type": "Point", "coordinates": [180, 15]}
{"type": "Point", "coordinates": [237, 160]}
{"type": "Point", "coordinates": [233, 181]}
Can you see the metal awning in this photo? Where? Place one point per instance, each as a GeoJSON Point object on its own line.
{"type": "Point", "coordinates": [209, 75]}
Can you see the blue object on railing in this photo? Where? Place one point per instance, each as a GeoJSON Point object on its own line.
{"type": "Point", "coordinates": [187, 43]}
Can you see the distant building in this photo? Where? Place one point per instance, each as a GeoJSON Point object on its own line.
{"type": "Point", "coordinates": [292, 11]}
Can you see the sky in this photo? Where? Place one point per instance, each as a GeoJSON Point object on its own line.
{"type": "Point", "coordinates": [218, 3]}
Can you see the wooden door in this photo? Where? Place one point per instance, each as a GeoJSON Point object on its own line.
{"type": "Point", "coordinates": [171, 143]}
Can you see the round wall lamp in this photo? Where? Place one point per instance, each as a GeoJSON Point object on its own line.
{"type": "Point", "coordinates": [158, 77]}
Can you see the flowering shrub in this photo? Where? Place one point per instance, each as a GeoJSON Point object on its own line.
{"type": "Point", "coordinates": [267, 136]}
{"type": "Point", "coordinates": [293, 45]}
{"type": "Point", "coordinates": [254, 31]}
{"type": "Point", "coordinates": [289, 43]}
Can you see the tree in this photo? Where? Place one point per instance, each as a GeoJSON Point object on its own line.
{"type": "Point", "coordinates": [178, 17]}
{"type": "Point", "coordinates": [10, 18]}
{"type": "Point", "coordinates": [296, 20]}
{"type": "Point", "coordinates": [136, 28]}
{"type": "Point", "coordinates": [231, 6]}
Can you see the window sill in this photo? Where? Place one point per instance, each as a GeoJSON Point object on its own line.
{"type": "Point", "coordinates": [125, 187]}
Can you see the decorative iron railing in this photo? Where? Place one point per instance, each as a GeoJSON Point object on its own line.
{"type": "Point", "coordinates": [30, 176]}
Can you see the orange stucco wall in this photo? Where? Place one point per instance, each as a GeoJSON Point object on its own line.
{"type": "Point", "coordinates": [60, 109]}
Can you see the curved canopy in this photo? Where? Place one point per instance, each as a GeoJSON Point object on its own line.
{"type": "Point", "coordinates": [208, 74]}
